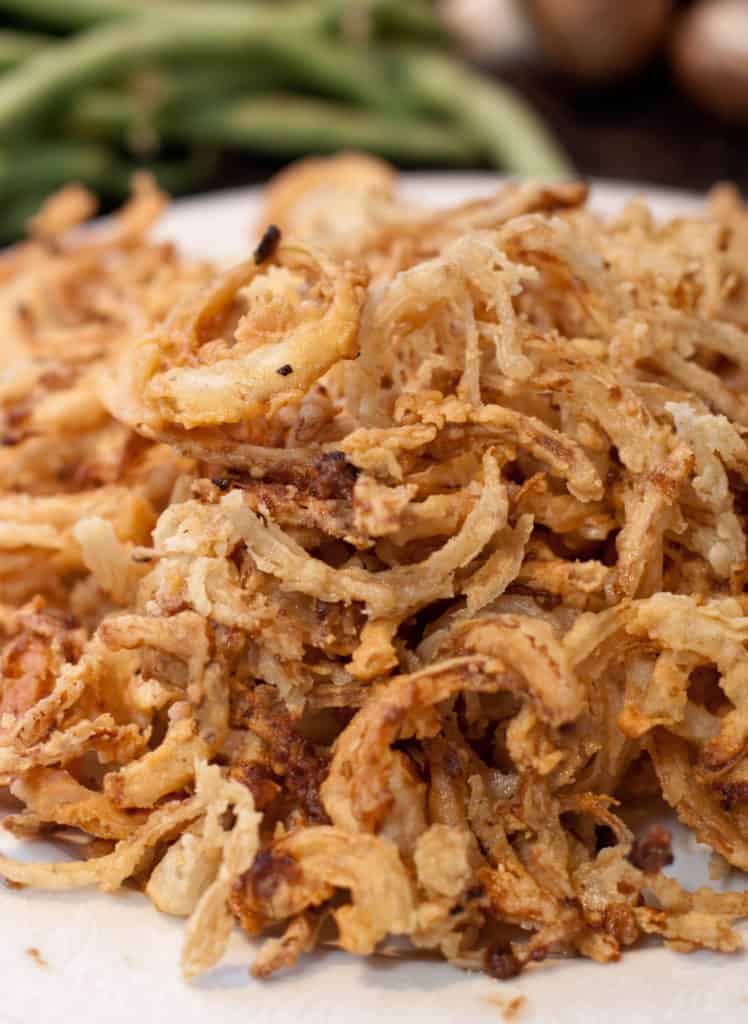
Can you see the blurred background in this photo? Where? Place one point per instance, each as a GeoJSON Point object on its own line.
{"type": "Point", "coordinates": [216, 93]}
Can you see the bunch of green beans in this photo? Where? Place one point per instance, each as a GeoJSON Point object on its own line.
{"type": "Point", "coordinates": [91, 89]}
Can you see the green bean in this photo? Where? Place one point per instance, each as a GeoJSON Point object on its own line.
{"type": "Point", "coordinates": [402, 18]}
{"type": "Point", "coordinates": [287, 125]}
{"type": "Point", "coordinates": [88, 58]}
{"type": "Point", "coordinates": [15, 47]}
{"type": "Point", "coordinates": [109, 115]}
{"type": "Point", "coordinates": [414, 19]}
{"type": "Point", "coordinates": [15, 215]}
{"type": "Point", "coordinates": [29, 176]}
{"type": "Point", "coordinates": [511, 135]}
{"type": "Point", "coordinates": [44, 167]}
{"type": "Point", "coordinates": [176, 176]}
{"type": "Point", "coordinates": [503, 126]}
{"type": "Point", "coordinates": [344, 72]}
{"type": "Point", "coordinates": [223, 33]}
{"type": "Point", "coordinates": [211, 57]}
{"type": "Point", "coordinates": [283, 125]}
{"type": "Point", "coordinates": [73, 15]}
{"type": "Point", "coordinates": [199, 82]}
{"type": "Point", "coordinates": [132, 112]}
{"type": "Point", "coordinates": [68, 14]}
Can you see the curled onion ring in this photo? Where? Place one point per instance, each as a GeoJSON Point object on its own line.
{"type": "Point", "coordinates": [531, 665]}
{"type": "Point", "coordinates": [181, 384]}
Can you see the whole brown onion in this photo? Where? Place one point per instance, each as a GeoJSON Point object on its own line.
{"type": "Point", "coordinates": [600, 40]}
{"type": "Point", "coordinates": [710, 56]}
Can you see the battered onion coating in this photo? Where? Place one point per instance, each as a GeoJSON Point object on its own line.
{"type": "Point", "coordinates": [188, 373]}
{"type": "Point", "coordinates": [355, 593]}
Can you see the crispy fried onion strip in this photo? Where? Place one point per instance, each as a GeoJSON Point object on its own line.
{"type": "Point", "coordinates": [392, 591]}
{"type": "Point", "coordinates": [521, 657]}
{"type": "Point", "coordinates": [111, 741]}
{"type": "Point", "coordinates": [56, 797]}
{"type": "Point", "coordinates": [110, 871]}
{"type": "Point", "coordinates": [650, 507]}
{"type": "Point", "coordinates": [717, 446]}
{"type": "Point", "coordinates": [211, 920]}
{"type": "Point", "coordinates": [95, 679]}
{"type": "Point", "coordinates": [695, 805]}
{"type": "Point", "coordinates": [687, 634]}
{"type": "Point", "coordinates": [182, 381]}
{"type": "Point", "coordinates": [186, 638]}
{"type": "Point", "coordinates": [472, 274]}
{"type": "Point", "coordinates": [716, 632]}
{"type": "Point", "coordinates": [564, 457]}
{"type": "Point", "coordinates": [433, 612]}
{"type": "Point", "coordinates": [304, 869]}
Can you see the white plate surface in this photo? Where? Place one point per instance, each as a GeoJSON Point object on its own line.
{"type": "Point", "coordinates": [114, 959]}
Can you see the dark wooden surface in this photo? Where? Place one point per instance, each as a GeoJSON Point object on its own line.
{"type": "Point", "coordinates": [646, 130]}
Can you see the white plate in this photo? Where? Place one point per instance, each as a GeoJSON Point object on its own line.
{"type": "Point", "coordinates": [219, 226]}
{"type": "Point", "coordinates": [115, 959]}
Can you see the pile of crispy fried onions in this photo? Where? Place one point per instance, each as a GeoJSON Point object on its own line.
{"type": "Point", "coordinates": [366, 588]}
